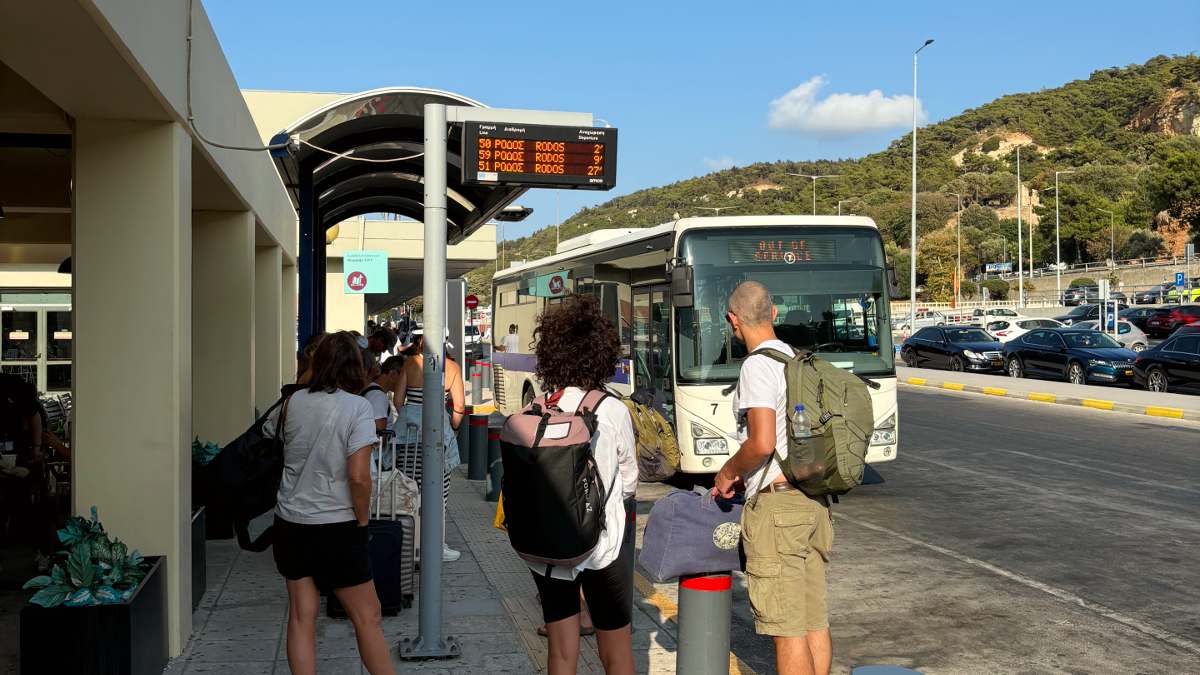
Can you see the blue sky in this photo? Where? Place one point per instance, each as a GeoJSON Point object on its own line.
{"type": "Point", "coordinates": [691, 85]}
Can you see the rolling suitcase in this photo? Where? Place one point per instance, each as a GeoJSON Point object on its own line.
{"type": "Point", "coordinates": [393, 534]}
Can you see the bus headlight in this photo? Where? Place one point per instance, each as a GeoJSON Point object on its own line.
{"type": "Point", "coordinates": [708, 442]}
{"type": "Point", "coordinates": [885, 434]}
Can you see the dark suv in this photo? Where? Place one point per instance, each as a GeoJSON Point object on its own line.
{"type": "Point", "coordinates": [1085, 313]}
{"type": "Point", "coordinates": [1168, 319]}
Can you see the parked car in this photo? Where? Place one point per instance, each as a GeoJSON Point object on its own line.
{"type": "Point", "coordinates": [1084, 313]}
{"type": "Point", "coordinates": [1129, 335]}
{"type": "Point", "coordinates": [923, 319]}
{"type": "Point", "coordinates": [995, 312]}
{"type": "Point", "coordinates": [1154, 296]}
{"type": "Point", "coordinates": [1168, 319]}
{"type": "Point", "coordinates": [1005, 330]}
{"type": "Point", "coordinates": [471, 335]}
{"type": "Point", "coordinates": [1173, 365]}
{"type": "Point", "coordinates": [1191, 292]}
{"type": "Point", "coordinates": [1077, 356]}
{"type": "Point", "coordinates": [954, 347]}
{"type": "Point", "coordinates": [1081, 295]}
{"type": "Point", "coordinates": [1138, 316]}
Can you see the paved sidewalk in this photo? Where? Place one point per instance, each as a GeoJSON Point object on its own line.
{"type": "Point", "coordinates": [1100, 397]}
{"type": "Point", "coordinates": [490, 606]}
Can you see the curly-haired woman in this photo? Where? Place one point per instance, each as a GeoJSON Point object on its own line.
{"type": "Point", "coordinates": [577, 351]}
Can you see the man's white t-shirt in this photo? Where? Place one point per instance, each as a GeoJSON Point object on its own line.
{"type": "Point", "coordinates": [762, 384]}
{"type": "Point", "coordinates": [511, 342]}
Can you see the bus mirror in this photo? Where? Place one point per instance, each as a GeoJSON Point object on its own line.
{"type": "Point", "coordinates": [682, 285]}
{"type": "Point", "coordinates": [893, 283]}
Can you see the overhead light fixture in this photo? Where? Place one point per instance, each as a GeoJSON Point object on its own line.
{"type": "Point", "coordinates": [514, 213]}
{"type": "Point", "coordinates": [64, 267]}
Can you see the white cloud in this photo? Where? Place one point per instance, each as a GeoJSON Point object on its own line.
{"type": "Point", "coordinates": [720, 163]}
{"type": "Point", "coordinates": [799, 109]}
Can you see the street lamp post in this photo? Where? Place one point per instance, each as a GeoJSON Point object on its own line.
{"type": "Point", "coordinates": [840, 205]}
{"type": "Point", "coordinates": [958, 259]}
{"type": "Point", "coordinates": [1112, 226]}
{"type": "Point", "coordinates": [912, 272]}
{"type": "Point", "coordinates": [718, 209]}
{"type": "Point", "coordinates": [1057, 238]}
{"type": "Point", "coordinates": [814, 180]}
{"type": "Point", "coordinates": [1020, 258]}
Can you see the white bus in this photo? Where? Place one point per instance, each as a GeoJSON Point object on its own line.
{"type": "Point", "coordinates": [667, 287]}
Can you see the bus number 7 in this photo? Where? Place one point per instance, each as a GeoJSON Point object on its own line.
{"type": "Point", "coordinates": [714, 405]}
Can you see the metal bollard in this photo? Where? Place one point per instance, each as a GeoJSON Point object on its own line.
{"type": "Point", "coordinates": [486, 368]}
{"type": "Point", "coordinates": [464, 434]}
{"type": "Point", "coordinates": [476, 384]}
{"type": "Point", "coordinates": [705, 605]}
{"type": "Point", "coordinates": [477, 460]}
{"type": "Point", "coordinates": [495, 464]}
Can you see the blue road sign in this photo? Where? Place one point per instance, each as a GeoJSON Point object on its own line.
{"type": "Point", "coordinates": [1180, 280]}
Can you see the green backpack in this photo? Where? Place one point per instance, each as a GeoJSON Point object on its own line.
{"type": "Point", "coordinates": [837, 404]}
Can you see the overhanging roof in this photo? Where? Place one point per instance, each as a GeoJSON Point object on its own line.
{"type": "Point", "coordinates": [384, 124]}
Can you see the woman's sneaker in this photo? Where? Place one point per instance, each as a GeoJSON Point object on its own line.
{"type": "Point", "coordinates": [449, 554]}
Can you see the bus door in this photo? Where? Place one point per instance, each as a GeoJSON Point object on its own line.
{"type": "Point", "coordinates": [652, 360]}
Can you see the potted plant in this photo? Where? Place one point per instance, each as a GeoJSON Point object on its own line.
{"type": "Point", "coordinates": [102, 608]}
{"type": "Point", "coordinates": [217, 525]}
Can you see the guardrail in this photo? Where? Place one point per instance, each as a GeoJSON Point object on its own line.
{"type": "Point", "coordinates": [1105, 265]}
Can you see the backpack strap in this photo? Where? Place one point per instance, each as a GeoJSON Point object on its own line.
{"type": "Point", "coordinates": [588, 406]}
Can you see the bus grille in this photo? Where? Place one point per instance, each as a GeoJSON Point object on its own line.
{"type": "Point", "coordinates": [498, 385]}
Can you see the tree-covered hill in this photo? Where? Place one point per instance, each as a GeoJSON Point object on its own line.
{"type": "Point", "coordinates": [1131, 135]}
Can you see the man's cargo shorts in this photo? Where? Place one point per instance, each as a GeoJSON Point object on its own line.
{"type": "Point", "coordinates": [787, 537]}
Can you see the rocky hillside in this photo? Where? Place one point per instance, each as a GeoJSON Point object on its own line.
{"type": "Point", "coordinates": [1131, 135]}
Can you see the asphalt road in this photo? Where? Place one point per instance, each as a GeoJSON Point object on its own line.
{"type": "Point", "coordinates": [1014, 537]}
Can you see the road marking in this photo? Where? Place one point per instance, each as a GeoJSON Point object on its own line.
{"type": "Point", "coordinates": [1060, 593]}
{"type": "Point", "coordinates": [1125, 475]}
{"type": "Point", "coordinates": [919, 381]}
{"type": "Point", "coordinates": [670, 612]}
{"type": "Point", "coordinates": [1044, 398]}
{"type": "Point", "coordinates": [995, 391]}
{"type": "Point", "coordinates": [1098, 404]}
{"type": "Point", "coordinates": [1157, 411]}
{"type": "Point", "coordinates": [955, 386]}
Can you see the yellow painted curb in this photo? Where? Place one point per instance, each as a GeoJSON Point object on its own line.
{"type": "Point", "coordinates": [916, 380]}
{"type": "Point", "coordinates": [1157, 411]}
{"type": "Point", "coordinates": [670, 612]}
{"type": "Point", "coordinates": [952, 385]}
{"type": "Point", "coordinates": [1044, 398]}
{"type": "Point", "coordinates": [995, 391]}
{"type": "Point", "coordinates": [1098, 404]}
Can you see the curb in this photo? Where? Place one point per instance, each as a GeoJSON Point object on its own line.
{"type": "Point", "coordinates": [1094, 403]}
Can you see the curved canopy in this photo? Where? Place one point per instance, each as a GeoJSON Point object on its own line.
{"type": "Point", "coordinates": [382, 124]}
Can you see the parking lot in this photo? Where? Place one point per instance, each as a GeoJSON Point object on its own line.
{"type": "Point", "coordinates": [1021, 538]}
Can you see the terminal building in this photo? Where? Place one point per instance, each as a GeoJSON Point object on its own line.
{"type": "Point", "coordinates": [160, 281]}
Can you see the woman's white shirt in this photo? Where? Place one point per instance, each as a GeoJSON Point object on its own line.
{"type": "Point", "coordinates": [614, 447]}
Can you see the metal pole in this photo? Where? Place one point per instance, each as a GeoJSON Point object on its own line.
{"type": "Point", "coordinates": [1057, 244]}
{"type": "Point", "coordinates": [912, 272]}
{"type": "Point", "coordinates": [430, 643]}
{"type": "Point", "coordinates": [477, 459]}
{"type": "Point", "coordinates": [814, 182]}
{"type": "Point", "coordinates": [705, 603]}
{"type": "Point", "coordinates": [1020, 237]}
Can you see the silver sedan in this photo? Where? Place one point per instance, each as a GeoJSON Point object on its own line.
{"type": "Point", "coordinates": [1129, 335]}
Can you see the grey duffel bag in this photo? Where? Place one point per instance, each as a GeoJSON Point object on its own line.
{"type": "Point", "coordinates": [691, 533]}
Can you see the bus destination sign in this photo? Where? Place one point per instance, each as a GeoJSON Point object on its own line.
{"type": "Point", "coordinates": [582, 158]}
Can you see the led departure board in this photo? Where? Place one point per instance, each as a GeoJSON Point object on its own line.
{"type": "Point", "coordinates": [539, 156]}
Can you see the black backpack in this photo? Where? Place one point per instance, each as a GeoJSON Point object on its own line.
{"type": "Point", "coordinates": [243, 479]}
{"type": "Point", "coordinates": [554, 497]}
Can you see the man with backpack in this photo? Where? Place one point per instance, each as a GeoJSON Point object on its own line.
{"type": "Point", "coordinates": [786, 534]}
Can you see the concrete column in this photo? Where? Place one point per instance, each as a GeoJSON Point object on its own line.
{"type": "Point", "coordinates": [288, 349]}
{"type": "Point", "coordinates": [268, 291]}
{"type": "Point", "coordinates": [132, 258]}
{"type": "Point", "coordinates": [342, 311]}
{"type": "Point", "coordinates": [222, 324]}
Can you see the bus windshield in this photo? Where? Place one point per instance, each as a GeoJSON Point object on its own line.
{"type": "Point", "coordinates": [827, 283]}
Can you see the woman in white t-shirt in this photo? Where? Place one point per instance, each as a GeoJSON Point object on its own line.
{"type": "Point", "coordinates": [578, 351]}
{"type": "Point", "coordinates": [323, 504]}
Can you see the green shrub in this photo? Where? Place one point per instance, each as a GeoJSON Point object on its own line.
{"type": "Point", "coordinates": [1082, 281]}
{"type": "Point", "coordinates": [997, 289]}
{"type": "Point", "coordinates": [991, 144]}
{"type": "Point", "coordinates": [968, 289]}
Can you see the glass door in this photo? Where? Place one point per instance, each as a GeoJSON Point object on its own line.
{"type": "Point", "coordinates": [37, 344]}
{"type": "Point", "coordinates": [19, 353]}
{"type": "Point", "coordinates": [652, 362]}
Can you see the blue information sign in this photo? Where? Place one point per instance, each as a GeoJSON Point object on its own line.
{"type": "Point", "coordinates": [1180, 280]}
{"type": "Point", "coordinates": [364, 272]}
